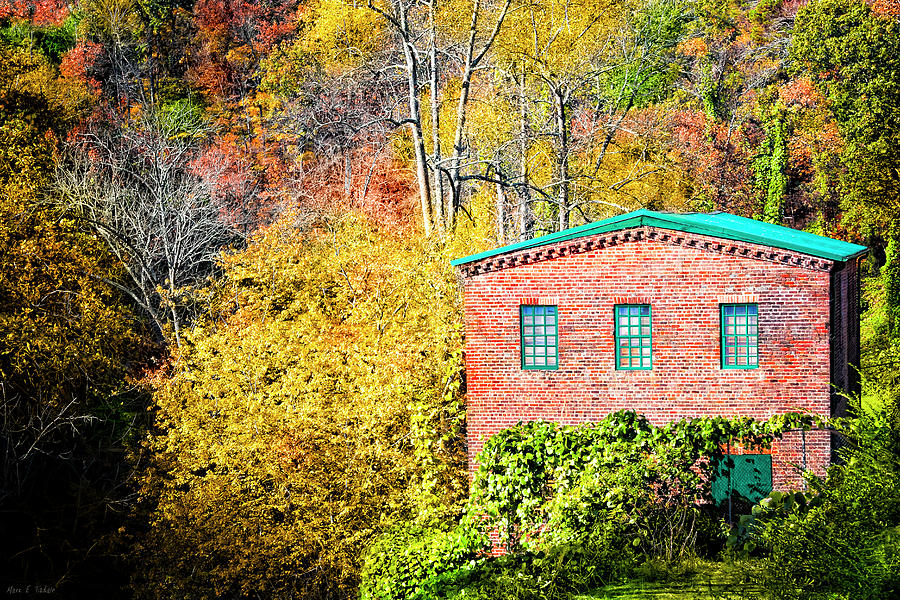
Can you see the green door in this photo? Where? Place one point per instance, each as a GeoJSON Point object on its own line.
{"type": "Point", "coordinates": [750, 477]}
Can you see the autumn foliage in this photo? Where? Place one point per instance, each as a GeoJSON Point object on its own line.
{"type": "Point", "coordinates": [39, 12]}
{"type": "Point", "coordinates": [231, 196]}
{"type": "Point", "coordinates": [66, 340]}
{"type": "Point", "coordinates": [317, 402]}
{"type": "Point", "coordinates": [232, 35]}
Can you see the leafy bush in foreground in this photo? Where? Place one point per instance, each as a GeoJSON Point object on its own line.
{"type": "Point", "coordinates": [411, 560]}
{"type": "Point", "coordinates": [556, 572]}
{"type": "Point", "coordinates": [844, 542]}
{"type": "Point", "coordinates": [576, 507]}
{"type": "Point", "coordinates": [655, 478]}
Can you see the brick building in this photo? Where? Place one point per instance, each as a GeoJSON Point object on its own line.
{"type": "Point", "coordinates": [671, 315]}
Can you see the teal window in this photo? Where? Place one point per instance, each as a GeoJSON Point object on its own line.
{"type": "Point", "coordinates": [740, 336]}
{"type": "Point", "coordinates": [634, 347]}
{"type": "Point", "coordinates": [539, 326]}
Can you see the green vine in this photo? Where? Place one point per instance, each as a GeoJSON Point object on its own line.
{"type": "Point", "coordinates": [708, 92]}
{"type": "Point", "coordinates": [770, 169]}
{"type": "Point", "coordinates": [890, 275]}
{"type": "Point", "coordinates": [523, 468]}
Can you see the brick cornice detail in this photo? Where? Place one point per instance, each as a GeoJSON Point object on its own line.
{"type": "Point", "coordinates": [665, 236]}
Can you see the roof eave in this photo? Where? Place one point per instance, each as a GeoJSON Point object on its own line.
{"type": "Point", "coordinates": [642, 218]}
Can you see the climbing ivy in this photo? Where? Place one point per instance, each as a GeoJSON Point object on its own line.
{"type": "Point", "coordinates": [523, 468]}
{"type": "Point", "coordinates": [770, 167]}
{"type": "Point", "coordinates": [890, 276]}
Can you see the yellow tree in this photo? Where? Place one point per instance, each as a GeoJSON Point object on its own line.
{"type": "Point", "coordinates": [320, 402]}
{"type": "Point", "coordinates": [65, 340]}
{"type": "Point", "coordinates": [593, 61]}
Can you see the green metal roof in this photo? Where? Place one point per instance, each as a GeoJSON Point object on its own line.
{"type": "Point", "coordinates": [714, 224]}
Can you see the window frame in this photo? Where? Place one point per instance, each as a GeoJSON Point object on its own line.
{"type": "Point", "coordinates": [640, 337]}
{"type": "Point", "coordinates": [522, 336]}
{"type": "Point", "coordinates": [723, 337]}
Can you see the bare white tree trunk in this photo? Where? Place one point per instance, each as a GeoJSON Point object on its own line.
{"type": "Point", "coordinates": [439, 214]}
{"type": "Point", "coordinates": [415, 125]}
{"type": "Point", "coordinates": [399, 21]}
{"type": "Point", "coordinates": [560, 101]}
{"type": "Point", "coordinates": [524, 217]}
{"type": "Point", "coordinates": [470, 65]}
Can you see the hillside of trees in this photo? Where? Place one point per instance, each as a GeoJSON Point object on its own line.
{"type": "Point", "coordinates": [230, 336]}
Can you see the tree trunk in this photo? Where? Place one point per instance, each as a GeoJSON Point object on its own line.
{"type": "Point", "coordinates": [415, 125]}
{"type": "Point", "coordinates": [440, 215]}
{"type": "Point", "coordinates": [471, 63]}
{"type": "Point", "coordinates": [524, 216]}
{"type": "Point", "coordinates": [455, 163]}
{"type": "Point", "coordinates": [501, 213]}
{"type": "Point", "coordinates": [562, 157]}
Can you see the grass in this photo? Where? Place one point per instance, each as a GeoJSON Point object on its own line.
{"type": "Point", "coordinates": [703, 580]}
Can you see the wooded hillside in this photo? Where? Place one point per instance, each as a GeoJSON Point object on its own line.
{"type": "Point", "coordinates": [230, 346]}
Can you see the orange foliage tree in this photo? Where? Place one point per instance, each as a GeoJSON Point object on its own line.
{"type": "Point", "coordinates": [233, 36]}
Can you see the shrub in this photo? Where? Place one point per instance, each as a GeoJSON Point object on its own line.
{"type": "Point", "coordinates": [820, 554]}
{"type": "Point", "coordinates": [412, 561]}
{"type": "Point", "coordinates": [655, 477]}
{"type": "Point", "coordinates": [577, 508]}
{"type": "Point", "coordinates": [554, 573]}
{"type": "Point", "coordinates": [844, 540]}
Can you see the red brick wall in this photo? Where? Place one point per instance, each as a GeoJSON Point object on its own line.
{"type": "Point", "coordinates": [685, 286]}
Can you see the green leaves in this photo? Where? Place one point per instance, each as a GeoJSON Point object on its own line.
{"type": "Point", "coordinates": [411, 561]}
{"type": "Point", "coordinates": [839, 538]}
{"type": "Point", "coordinates": [853, 57]}
{"type": "Point", "coordinates": [527, 471]}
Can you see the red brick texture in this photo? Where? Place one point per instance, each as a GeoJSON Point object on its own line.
{"type": "Point", "coordinates": [684, 278]}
